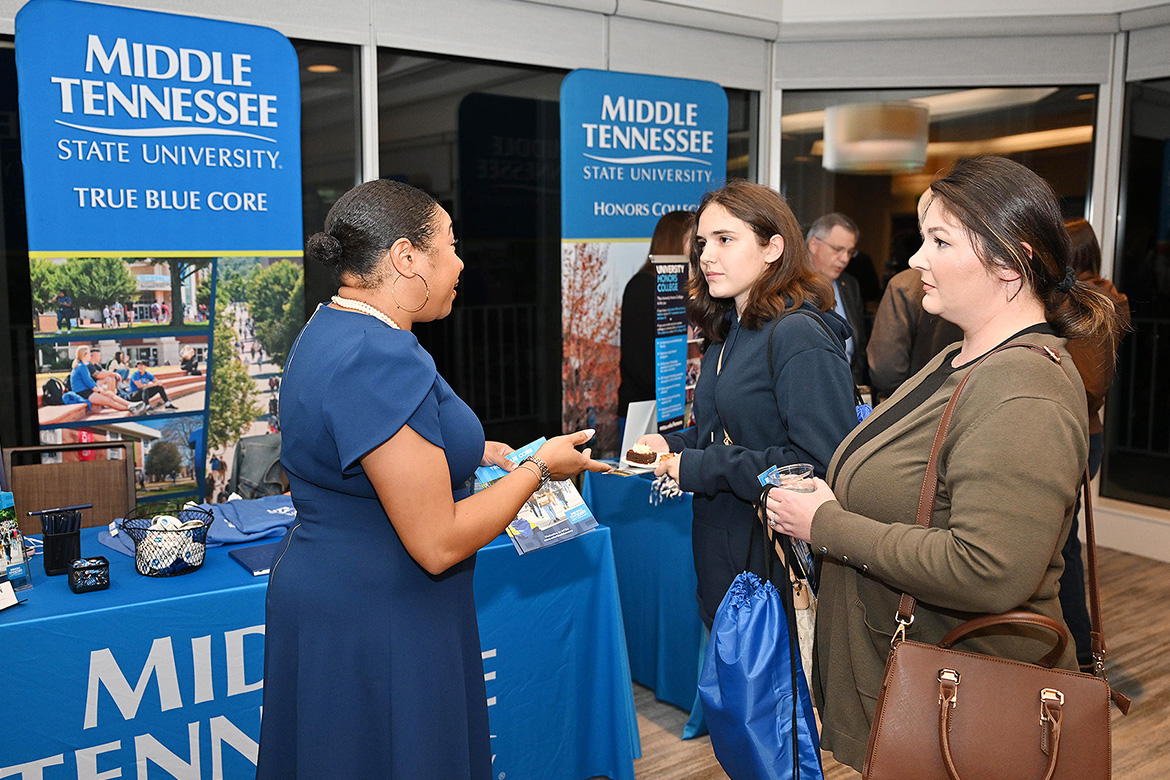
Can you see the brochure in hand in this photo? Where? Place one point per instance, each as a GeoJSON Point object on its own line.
{"type": "Point", "coordinates": [554, 514]}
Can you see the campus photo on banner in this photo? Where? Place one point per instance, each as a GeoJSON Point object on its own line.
{"type": "Point", "coordinates": [633, 148]}
{"type": "Point", "coordinates": [161, 160]}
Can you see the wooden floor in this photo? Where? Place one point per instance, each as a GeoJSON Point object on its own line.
{"type": "Point", "coordinates": [1136, 598]}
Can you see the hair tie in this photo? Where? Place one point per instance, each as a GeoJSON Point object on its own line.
{"type": "Point", "coordinates": [1070, 279]}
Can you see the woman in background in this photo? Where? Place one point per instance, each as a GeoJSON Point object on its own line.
{"type": "Point", "coordinates": [754, 409]}
{"type": "Point", "coordinates": [1094, 359]}
{"type": "Point", "coordinates": [994, 261]}
{"type": "Point", "coordinates": [188, 362]}
{"type": "Point", "coordinates": [81, 381]}
{"type": "Point", "coordinates": [372, 663]}
{"type": "Point", "coordinates": [119, 365]}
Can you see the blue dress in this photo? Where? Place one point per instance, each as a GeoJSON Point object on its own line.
{"type": "Point", "coordinates": [372, 666]}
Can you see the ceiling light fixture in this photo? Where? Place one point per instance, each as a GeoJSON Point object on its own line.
{"type": "Point", "coordinates": [876, 137]}
{"type": "Point", "coordinates": [946, 105]}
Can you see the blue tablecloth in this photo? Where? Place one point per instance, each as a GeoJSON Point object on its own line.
{"type": "Point", "coordinates": [166, 673]}
{"type": "Point", "coordinates": [656, 580]}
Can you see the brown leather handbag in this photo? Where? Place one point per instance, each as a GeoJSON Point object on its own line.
{"type": "Point", "coordinates": [945, 714]}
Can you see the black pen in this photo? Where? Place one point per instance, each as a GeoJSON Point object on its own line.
{"type": "Point", "coordinates": [59, 509]}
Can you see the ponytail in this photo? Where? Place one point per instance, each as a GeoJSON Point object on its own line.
{"type": "Point", "coordinates": [1083, 313]}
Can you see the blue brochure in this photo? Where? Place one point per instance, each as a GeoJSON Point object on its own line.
{"type": "Point", "coordinates": [553, 514]}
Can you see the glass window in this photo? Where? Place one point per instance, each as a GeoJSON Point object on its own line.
{"type": "Point", "coordinates": [884, 158]}
{"type": "Point", "coordinates": [1137, 430]}
{"type": "Point", "coordinates": [743, 134]}
{"type": "Point", "coordinates": [330, 133]}
{"type": "Point", "coordinates": [17, 364]}
{"type": "Point", "coordinates": [484, 139]}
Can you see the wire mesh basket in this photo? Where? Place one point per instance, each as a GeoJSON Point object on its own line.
{"type": "Point", "coordinates": [169, 539]}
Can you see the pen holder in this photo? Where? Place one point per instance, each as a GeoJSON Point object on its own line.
{"type": "Point", "coordinates": [86, 574]}
{"type": "Point", "coordinates": [61, 550]}
{"type": "Point", "coordinates": [165, 552]}
{"type": "Point", "coordinates": [61, 533]}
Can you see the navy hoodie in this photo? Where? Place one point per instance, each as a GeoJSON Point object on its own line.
{"type": "Point", "coordinates": [798, 415]}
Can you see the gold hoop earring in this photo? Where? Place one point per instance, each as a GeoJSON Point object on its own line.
{"type": "Point", "coordinates": [416, 308]}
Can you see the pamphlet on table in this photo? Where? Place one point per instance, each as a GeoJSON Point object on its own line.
{"type": "Point", "coordinates": [13, 563]}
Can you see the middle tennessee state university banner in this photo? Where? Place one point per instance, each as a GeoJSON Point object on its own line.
{"type": "Point", "coordinates": [153, 132]}
{"type": "Point", "coordinates": [158, 149]}
{"type": "Point", "coordinates": [633, 147]}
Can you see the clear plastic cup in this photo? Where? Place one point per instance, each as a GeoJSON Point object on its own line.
{"type": "Point", "coordinates": [796, 477]}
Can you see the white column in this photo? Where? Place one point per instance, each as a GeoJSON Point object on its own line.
{"type": "Point", "coordinates": [368, 81]}
{"type": "Point", "coordinates": [1104, 202]}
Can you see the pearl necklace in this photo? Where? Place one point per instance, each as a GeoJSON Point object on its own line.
{"type": "Point", "coordinates": [365, 308]}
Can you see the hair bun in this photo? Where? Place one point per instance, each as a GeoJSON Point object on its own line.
{"type": "Point", "coordinates": [324, 248]}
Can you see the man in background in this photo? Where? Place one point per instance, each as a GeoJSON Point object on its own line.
{"type": "Point", "coordinates": [144, 387]}
{"type": "Point", "coordinates": [832, 242]}
{"type": "Point", "coordinates": [64, 304]}
{"type": "Point", "coordinates": [105, 379]}
{"type": "Point", "coordinates": [905, 336]}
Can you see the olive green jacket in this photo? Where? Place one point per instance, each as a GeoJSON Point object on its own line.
{"type": "Point", "coordinates": [1008, 478]}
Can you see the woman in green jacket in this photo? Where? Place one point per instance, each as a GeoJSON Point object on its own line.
{"type": "Point", "coordinates": [994, 261]}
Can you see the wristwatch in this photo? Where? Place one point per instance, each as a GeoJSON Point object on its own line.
{"type": "Point", "coordinates": [545, 474]}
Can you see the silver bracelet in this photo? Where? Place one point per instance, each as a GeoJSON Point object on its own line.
{"type": "Point", "coordinates": [545, 474]}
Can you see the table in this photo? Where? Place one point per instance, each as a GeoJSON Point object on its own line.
{"type": "Point", "coordinates": [656, 580]}
{"type": "Point", "coordinates": [162, 677]}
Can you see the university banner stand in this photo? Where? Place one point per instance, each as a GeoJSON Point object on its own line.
{"type": "Point", "coordinates": [633, 148]}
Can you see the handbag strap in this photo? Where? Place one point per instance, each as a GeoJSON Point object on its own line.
{"type": "Point", "coordinates": [1051, 718]}
{"type": "Point", "coordinates": [1096, 632]}
{"type": "Point", "coordinates": [787, 599]}
{"type": "Point", "coordinates": [906, 604]}
{"type": "Point", "coordinates": [769, 551]}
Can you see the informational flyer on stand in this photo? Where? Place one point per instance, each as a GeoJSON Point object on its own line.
{"type": "Point", "coordinates": [673, 383]}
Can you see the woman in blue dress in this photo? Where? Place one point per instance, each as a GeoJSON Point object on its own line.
{"type": "Point", "coordinates": [372, 662]}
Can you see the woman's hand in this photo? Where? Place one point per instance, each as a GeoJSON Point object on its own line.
{"type": "Point", "coordinates": [791, 513]}
{"type": "Point", "coordinates": [493, 455]}
{"type": "Point", "coordinates": [562, 458]}
{"type": "Point", "coordinates": [655, 441]}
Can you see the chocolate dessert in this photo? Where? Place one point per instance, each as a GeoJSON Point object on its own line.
{"type": "Point", "coordinates": [641, 455]}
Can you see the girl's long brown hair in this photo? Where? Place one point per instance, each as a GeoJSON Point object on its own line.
{"type": "Point", "coordinates": [784, 285]}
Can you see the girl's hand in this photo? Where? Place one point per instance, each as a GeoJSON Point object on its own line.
{"type": "Point", "coordinates": [655, 441]}
{"type": "Point", "coordinates": [791, 513]}
{"type": "Point", "coordinates": [668, 466]}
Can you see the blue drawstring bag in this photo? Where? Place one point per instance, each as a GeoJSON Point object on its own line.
{"type": "Point", "coordinates": [755, 699]}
